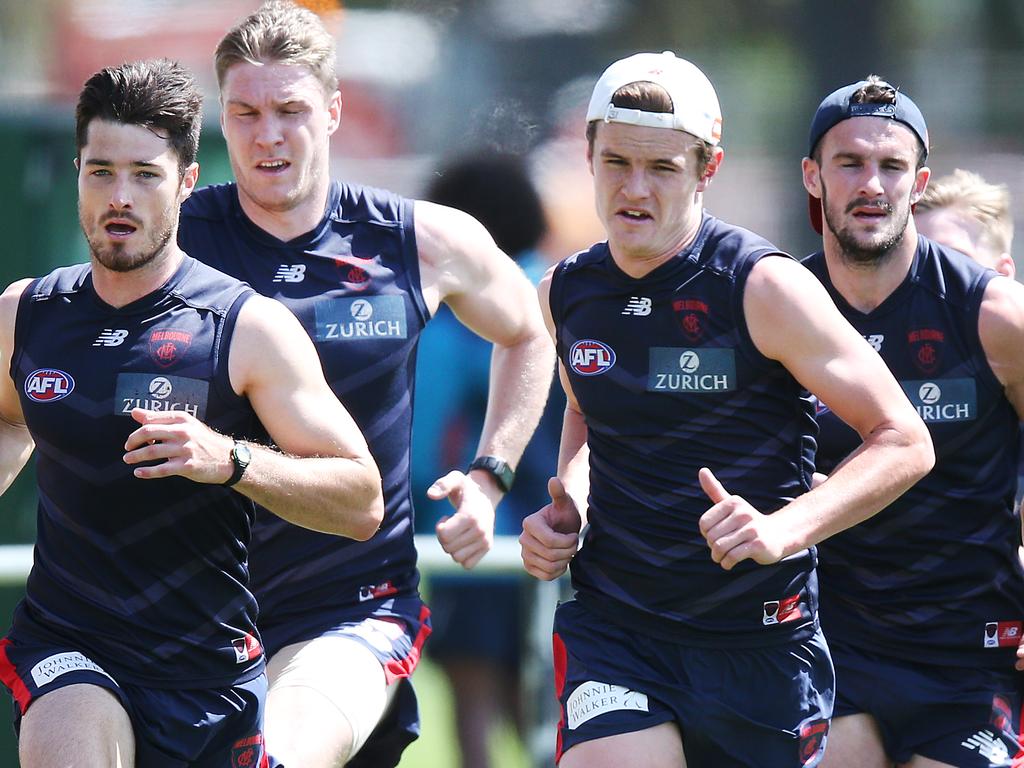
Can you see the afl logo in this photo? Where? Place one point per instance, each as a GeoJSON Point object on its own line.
{"type": "Point", "coordinates": [47, 385]}
{"type": "Point", "coordinates": [589, 357]}
{"type": "Point", "coordinates": [361, 309]}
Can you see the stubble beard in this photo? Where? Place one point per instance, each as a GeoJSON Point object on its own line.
{"type": "Point", "coordinates": [117, 258]}
{"type": "Point", "coordinates": [856, 253]}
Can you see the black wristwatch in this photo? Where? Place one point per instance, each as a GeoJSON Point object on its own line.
{"type": "Point", "coordinates": [241, 455]}
{"type": "Point", "coordinates": [501, 471]}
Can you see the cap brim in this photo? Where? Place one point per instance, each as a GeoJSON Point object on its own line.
{"type": "Point", "coordinates": [814, 212]}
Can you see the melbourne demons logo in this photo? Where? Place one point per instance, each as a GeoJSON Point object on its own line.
{"type": "Point", "coordinates": [354, 276]}
{"type": "Point", "coordinates": [926, 348]}
{"type": "Point", "coordinates": [48, 385]}
{"type": "Point", "coordinates": [167, 346]}
{"type": "Point", "coordinates": [589, 357]}
{"type": "Point", "coordinates": [693, 317]}
{"type": "Point", "coordinates": [248, 753]}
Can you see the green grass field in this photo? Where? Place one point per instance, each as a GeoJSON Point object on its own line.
{"type": "Point", "coordinates": [437, 747]}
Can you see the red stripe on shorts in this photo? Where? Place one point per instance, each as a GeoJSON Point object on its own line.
{"type": "Point", "coordinates": [396, 669]}
{"type": "Point", "coordinates": [561, 659]}
{"type": "Point", "coordinates": [9, 676]}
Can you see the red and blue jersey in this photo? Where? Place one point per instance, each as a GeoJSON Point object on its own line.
{"type": "Point", "coordinates": [668, 381]}
{"type": "Point", "coordinates": [147, 577]}
{"type": "Point", "coordinates": [353, 282]}
{"type": "Point", "coordinates": [935, 576]}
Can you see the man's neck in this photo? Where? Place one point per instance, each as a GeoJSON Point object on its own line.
{"type": "Point", "coordinates": [866, 286]}
{"type": "Point", "coordinates": [121, 288]}
{"type": "Point", "coordinates": [287, 224]}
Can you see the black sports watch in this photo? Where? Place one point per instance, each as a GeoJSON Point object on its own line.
{"type": "Point", "coordinates": [500, 469]}
{"type": "Point", "coordinates": [241, 455]}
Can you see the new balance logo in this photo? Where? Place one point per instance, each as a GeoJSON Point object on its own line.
{"type": "Point", "coordinates": [290, 273]}
{"type": "Point", "coordinates": [638, 305]}
{"type": "Point", "coordinates": [875, 340]}
{"type": "Point", "coordinates": [110, 338]}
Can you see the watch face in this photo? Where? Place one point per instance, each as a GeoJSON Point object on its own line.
{"type": "Point", "coordinates": [242, 454]}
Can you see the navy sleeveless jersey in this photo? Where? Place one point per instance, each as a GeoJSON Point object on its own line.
{"type": "Point", "coordinates": [353, 282]}
{"type": "Point", "coordinates": [669, 381]}
{"type": "Point", "coordinates": [145, 576]}
{"type": "Point", "coordinates": [935, 576]}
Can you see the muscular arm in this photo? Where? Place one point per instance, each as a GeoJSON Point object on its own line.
{"type": "Point", "coordinates": [15, 441]}
{"type": "Point", "coordinates": [323, 478]}
{"type": "Point", "coordinates": [550, 535]}
{"type": "Point", "coordinates": [461, 266]}
{"type": "Point", "coordinates": [793, 320]}
{"type": "Point", "coordinates": [1001, 328]}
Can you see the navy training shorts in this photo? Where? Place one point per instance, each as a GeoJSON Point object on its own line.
{"type": "Point", "coordinates": [739, 707]}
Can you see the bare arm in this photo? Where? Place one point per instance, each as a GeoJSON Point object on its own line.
{"type": "Point", "coordinates": [793, 320]}
{"type": "Point", "coordinates": [461, 266]}
{"type": "Point", "coordinates": [15, 441]}
{"type": "Point", "coordinates": [550, 535]}
{"type": "Point", "coordinates": [1001, 328]}
{"type": "Point", "coordinates": [324, 477]}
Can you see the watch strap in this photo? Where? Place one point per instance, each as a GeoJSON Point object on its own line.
{"type": "Point", "coordinates": [498, 468]}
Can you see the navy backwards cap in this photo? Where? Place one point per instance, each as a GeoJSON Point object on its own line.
{"type": "Point", "coordinates": [839, 106]}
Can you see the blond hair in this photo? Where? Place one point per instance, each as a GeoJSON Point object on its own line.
{"type": "Point", "coordinates": [280, 32]}
{"type": "Point", "coordinates": [969, 193]}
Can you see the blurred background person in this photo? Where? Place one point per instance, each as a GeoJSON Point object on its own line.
{"type": "Point", "coordinates": [479, 619]}
{"type": "Point", "coordinates": [967, 213]}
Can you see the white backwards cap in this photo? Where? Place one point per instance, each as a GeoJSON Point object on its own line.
{"type": "Point", "coordinates": [694, 102]}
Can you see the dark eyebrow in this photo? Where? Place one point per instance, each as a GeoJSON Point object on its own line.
{"type": "Point", "coordinates": [110, 163]}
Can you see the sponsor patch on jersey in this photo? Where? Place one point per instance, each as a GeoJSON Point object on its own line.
{"type": "Point", "coordinates": [692, 315]}
{"type": "Point", "coordinates": [589, 357]}
{"type": "Point", "coordinates": [812, 738]}
{"type": "Point", "coordinates": [941, 400]}
{"type": "Point", "coordinates": [48, 385]}
{"type": "Point", "coordinates": [363, 319]}
{"type": "Point", "coordinates": [1003, 634]}
{"type": "Point", "coordinates": [926, 345]}
{"type": "Point", "coordinates": [248, 752]}
{"type": "Point", "coordinates": [167, 346]}
{"type": "Point", "coordinates": [246, 648]}
{"type": "Point", "coordinates": [377, 591]}
{"type": "Point", "coordinates": [676, 369]}
{"type": "Point", "coordinates": [52, 667]}
{"type": "Point", "coordinates": [156, 392]}
{"type": "Point", "coordinates": [781, 611]}
{"type": "Point", "coordinates": [594, 698]}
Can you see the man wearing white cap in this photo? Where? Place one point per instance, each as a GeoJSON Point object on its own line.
{"type": "Point", "coordinates": [684, 346]}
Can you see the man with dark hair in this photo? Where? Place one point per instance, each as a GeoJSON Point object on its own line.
{"type": "Point", "coordinates": [364, 270]}
{"type": "Point", "coordinates": [923, 604]}
{"type": "Point", "coordinates": [141, 378]}
{"type": "Point", "coordinates": [685, 344]}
